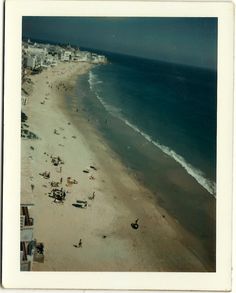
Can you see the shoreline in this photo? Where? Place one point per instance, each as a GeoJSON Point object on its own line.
{"type": "Point", "coordinates": [172, 188]}
{"type": "Point", "coordinates": [158, 244]}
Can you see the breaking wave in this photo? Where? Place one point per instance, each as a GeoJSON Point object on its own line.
{"type": "Point", "coordinates": [197, 174]}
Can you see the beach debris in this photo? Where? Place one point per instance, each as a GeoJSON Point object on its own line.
{"type": "Point", "coordinates": [73, 136]}
{"type": "Point", "coordinates": [163, 216]}
{"type": "Point", "coordinates": [135, 225]}
{"type": "Point", "coordinates": [86, 170]}
{"type": "Point", "coordinates": [92, 196]}
{"type": "Point", "coordinates": [64, 137]}
{"type": "Point", "coordinates": [61, 180]}
{"type": "Point", "coordinates": [44, 185]}
{"type": "Point", "coordinates": [91, 177]}
{"type": "Point", "coordinates": [104, 236]}
{"type": "Point", "coordinates": [80, 204]}
{"type": "Point", "coordinates": [62, 145]}
{"type": "Point", "coordinates": [61, 128]}
{"type": "Point", "coordinates": [94, 168]}
{"type": "Point", "coordinates": [42, 102]}
{"type": "Point", "coordinates": [45, 174]}
{"type": "Point", "coordinates": [68, 123]}
{"type": "Point", "coordinates": [31, 147]}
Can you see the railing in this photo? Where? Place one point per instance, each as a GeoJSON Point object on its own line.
{"type": "Point", "coordinates": [26, 224]}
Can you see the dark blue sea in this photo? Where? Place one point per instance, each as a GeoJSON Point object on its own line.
{"type": "Point", "coordinates": [172, 106]}
{"type": "Point", "coordinates": [159, 120]}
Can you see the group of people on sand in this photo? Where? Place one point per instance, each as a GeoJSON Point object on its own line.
{"type": "Point", "coordinates": [59, 195]}
{"type": "Point", "coordinates": [45, 174]}
{"type": "Point", "coordinates": [62, 85]}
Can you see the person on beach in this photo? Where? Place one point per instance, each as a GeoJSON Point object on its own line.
{"type": "Point", "coordinates": [80, 243]}
{"type": "Point", "coordinates": [135, 225]}
{"type": "Point", "coordinates": [32, 187]}
{"type": "Point", "coordinates": [92, 197]}
{"type": "Point", "coordinates": [40, 248]}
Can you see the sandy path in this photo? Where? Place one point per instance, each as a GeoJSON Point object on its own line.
{"type": "Point", "coordinates": [108, 241]}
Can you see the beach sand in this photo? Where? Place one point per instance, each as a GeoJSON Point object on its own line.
{"type": "Point", "coordinates": [109, 243]}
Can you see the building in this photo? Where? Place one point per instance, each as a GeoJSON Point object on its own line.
{"type": "Point", "coordinates": [98, 59]}
{"type": "Point", "coordinates": [36, 50]}
{"type": "Point", "coordinates": [83, 56]}
{"type": "Point", "coordinates": [23, 65]}
{"type": "Point", "coordinates": [67, 56]}
{"type": "Point", "coordinates": [30, 250]}
{"type": "Point", "coordinates": [27, 242]}
{"type": "Point", "coordinates": [101, 59]}
{"type": "Point", "coordinates": [31, 61]}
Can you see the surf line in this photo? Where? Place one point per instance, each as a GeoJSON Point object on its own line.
{"type": "Point", "coordinates": [197, 174]}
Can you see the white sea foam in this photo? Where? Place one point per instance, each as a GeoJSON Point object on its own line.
{"type": "Point", "coordinates": [93, 80]}
{"type": "Point", "coordinates": [111, 109]}
{"type": "Point", "coordinates": [197, 174]}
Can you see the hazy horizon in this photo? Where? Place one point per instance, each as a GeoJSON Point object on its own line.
{"type": "Point", "coordinates": [186, 41]}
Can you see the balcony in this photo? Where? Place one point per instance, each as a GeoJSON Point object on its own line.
{"type": "Point", "coordinates": [26, 225]}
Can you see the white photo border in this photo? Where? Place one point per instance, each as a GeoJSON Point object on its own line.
{"type": "Point", "coordinates": [12, 277]}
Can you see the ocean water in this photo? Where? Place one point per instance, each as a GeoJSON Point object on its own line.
{"type": "Point", "coordinates": [160, 120]}
{"type": "Point", "coordinates": [172, 106]}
